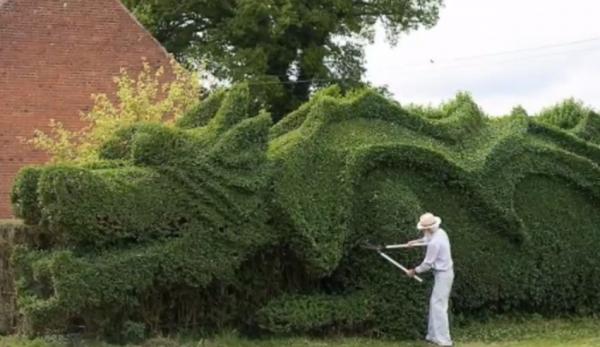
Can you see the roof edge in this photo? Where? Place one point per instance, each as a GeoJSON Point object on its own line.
{"type": "Point", "coordinates": [139, 24]}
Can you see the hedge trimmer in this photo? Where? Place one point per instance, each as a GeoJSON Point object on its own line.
{"type": "Point", "coordinates": [390, 259]}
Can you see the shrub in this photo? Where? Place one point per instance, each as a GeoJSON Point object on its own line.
{"type": "Point", "coordinates": [12, 234]}
{"type": "Point", "coordinates": [225, 222]}
{"type": "Point", "coordinates": [565, 115]}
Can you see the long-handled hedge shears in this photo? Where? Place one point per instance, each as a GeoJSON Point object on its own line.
{"type": "Point", "coordinates": [390, 259]}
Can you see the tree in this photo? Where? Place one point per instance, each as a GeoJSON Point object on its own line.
{"type": "Point", "coordinates": [285, 48]}
{"type": "Point", "coordinates": [145, 99]}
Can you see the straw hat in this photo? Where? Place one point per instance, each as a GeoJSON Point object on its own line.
{"type": "Point", "coordinates": [429, 221]}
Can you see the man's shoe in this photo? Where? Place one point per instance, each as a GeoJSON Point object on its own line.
{"type": "Point", "coordinates": [436, 343]}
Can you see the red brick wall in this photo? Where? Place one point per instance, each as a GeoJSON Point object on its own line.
{"type": "Point", "coordinates": [53, 55]}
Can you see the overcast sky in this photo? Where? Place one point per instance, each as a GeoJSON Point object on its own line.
{"type": "Point", "coordinates": [557, 46]}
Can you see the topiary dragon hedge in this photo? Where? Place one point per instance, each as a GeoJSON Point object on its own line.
{"type": "Point", "coordinates": [226, 221]}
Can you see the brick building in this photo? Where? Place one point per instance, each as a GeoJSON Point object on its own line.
{"type": "Point", "coordinates": [53, 55]}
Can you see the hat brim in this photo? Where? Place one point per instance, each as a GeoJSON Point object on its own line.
{"type": "Point", "coordinates": [438, 222]}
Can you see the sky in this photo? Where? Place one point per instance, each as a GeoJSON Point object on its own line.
{"type": "Point", "coordinates": [533, 53]}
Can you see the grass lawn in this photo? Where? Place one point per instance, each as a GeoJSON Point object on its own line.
{"type": "Point", "coordinates": [533, 332]}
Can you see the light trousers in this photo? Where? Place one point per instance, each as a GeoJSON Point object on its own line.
{"type": "Point", "coordinates": [438, 330]}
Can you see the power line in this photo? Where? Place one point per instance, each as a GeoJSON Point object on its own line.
{"type": "Point", "coordinates": [442, 67]}
{"type": "Point", "coordinates": [536, 48]}
{"type": "Point", "coordinates": [316, 80]}
{"type": "Point", "coordinates": [515, 59]}
{"type": "Point", "coordinates": [433, 62]}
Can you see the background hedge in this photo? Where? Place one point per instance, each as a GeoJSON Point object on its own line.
{"type": "Point", "coordinates": [224, 221]}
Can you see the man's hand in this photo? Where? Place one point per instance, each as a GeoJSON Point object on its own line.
{"type": "Point", "coordinates": [411, 273]}
{"type": "Point", "coordinates": [413, 243]}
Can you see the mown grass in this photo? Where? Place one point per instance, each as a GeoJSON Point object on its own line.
{"type": "Point", "coordinates": [533, 332]}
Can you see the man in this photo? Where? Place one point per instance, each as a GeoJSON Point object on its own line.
{"type": "Point", "coordinates": [439, 259]}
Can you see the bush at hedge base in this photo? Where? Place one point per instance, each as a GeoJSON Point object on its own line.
{"type": "Point", "coordinates": [13, 234]}
{"type": "Point", "coordinates": [225, 221]}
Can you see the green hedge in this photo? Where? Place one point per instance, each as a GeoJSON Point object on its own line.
{"type": "Point", "coordinates": [225, 221]}
{"type": "Point", "coordinates": [13, 233]}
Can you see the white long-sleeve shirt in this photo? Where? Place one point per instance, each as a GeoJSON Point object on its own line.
{"type": "Point", "coordinates": [438, 256]}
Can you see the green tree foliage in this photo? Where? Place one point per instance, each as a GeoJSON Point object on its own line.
{"type": "Point", "coordinates": [226, 221]}
{"type": "Point", "coordinates": [277, 43]}
{"type": "Point", "coordinates": [574, 116]}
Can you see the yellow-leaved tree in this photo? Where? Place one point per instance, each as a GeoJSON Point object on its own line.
{"type": "Point", "coordinates": [144, 99]}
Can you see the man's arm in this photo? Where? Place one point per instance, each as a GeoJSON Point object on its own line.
{"type": "Point", "coordinates": [432, 253]}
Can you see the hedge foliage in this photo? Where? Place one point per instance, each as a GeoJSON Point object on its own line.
{"type": "Point", "coordinates": [225, 221]}
{"type": "Point", "coordinates": [12, 234]}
